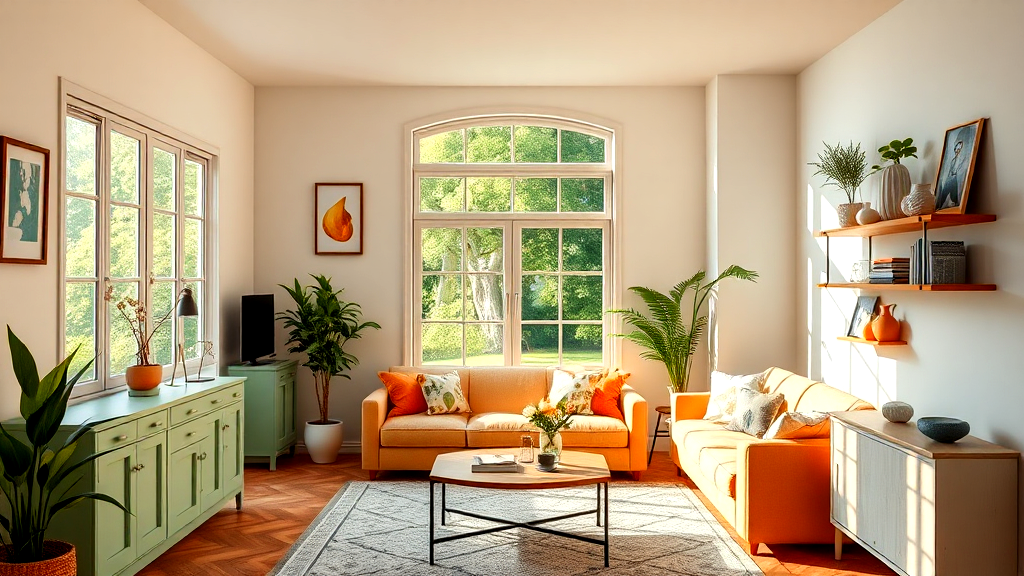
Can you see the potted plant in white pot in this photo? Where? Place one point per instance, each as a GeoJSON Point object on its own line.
{"type": "Point", "coordinates": [846, 169]}
{"type": "Point", "coordinates": [38, 474]}
{"type": "Point", "coordinates": [895, 177]}
{"type": "Point", "coordinates": [320, 326]}
{"type": "Point", "coordinates": [664, 335]}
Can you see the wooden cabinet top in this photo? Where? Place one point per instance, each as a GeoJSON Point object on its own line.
{"type": "Point", "coordinates": [908, 437]}
{"type": "Point", "coordinates": [264, 366]}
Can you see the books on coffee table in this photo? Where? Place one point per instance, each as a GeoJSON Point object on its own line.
{"type": "Point", "coordinates": [495, 463]}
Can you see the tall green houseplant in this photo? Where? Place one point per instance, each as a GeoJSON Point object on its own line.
{"type": "Point", "coordinates": [663, 334]}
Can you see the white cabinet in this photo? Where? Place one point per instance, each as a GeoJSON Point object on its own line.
{"type": "Point", "coordinates": [922, 507]}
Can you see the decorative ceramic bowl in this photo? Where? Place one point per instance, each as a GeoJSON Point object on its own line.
{"type": "Point", "coordinates": [942, 429]}
{"type": "Point", "coordinates": [898, 412]}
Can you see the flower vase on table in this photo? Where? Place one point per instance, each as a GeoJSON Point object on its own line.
{"type": "Point", "coordinates": [550, 419]}
{"type": "Point", "coordinates": [551, 443]}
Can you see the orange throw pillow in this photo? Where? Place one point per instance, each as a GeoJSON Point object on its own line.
{"type": "Point", "coordinates": [405, 393]}
{"type": "Point", "coordinates": [607, 394]}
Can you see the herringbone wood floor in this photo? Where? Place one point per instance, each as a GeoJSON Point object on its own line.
{"type": "Point", "coordinates": [279, 505]}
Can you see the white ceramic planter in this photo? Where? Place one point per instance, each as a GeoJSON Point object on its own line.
{"type": "Point", "coordinates": [323, 441]}
{"type": "Point", "coordinates": [895, 187]}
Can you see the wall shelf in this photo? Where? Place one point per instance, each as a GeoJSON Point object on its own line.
{"type": "Point", "coordinates": [872, 342]}
{"type": "Point", "coordinates": [908, 224]}
{"type": "Point", "coordinates": [912, 287]}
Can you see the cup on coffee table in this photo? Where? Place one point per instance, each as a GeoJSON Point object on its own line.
{"type": "Point", "coordinates": [547, 462]}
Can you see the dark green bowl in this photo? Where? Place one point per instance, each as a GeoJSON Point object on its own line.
{"type": "Point", "coordinates": [942, 429]}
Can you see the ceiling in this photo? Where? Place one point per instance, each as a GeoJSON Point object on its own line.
{"type": "Point", "coordinates": [514, 42]}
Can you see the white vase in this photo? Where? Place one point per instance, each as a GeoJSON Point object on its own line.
{"type": "Point", "coordinates": [895, 187]}
{"type": "Point", "coordinates": [323, 441]}
{"type": "Point", "coordinates": [868, 215]}
{"type": "Point", "coordinates": [920, 201]}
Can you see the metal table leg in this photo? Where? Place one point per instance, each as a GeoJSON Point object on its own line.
{"type": "Point", "coordinates": [598, 504]}
{"type": "Point", "coordinates": [605, 522]}
{"type": "Point", "coordinates": [444, 504]}
{"type": "Point", "coordinates": [654, 439]}
{"type": "Point", "coordinates": [432, 522]}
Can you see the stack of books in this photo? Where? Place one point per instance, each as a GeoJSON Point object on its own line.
{"type": "Point", "coordinates": [495, 463]}
{"type": "Point", "coordinates": [890, 271]}
{"type": "Point", "coordinates": [942, 262]}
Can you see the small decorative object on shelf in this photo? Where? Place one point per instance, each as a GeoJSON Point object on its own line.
{"type": "Point", "coordinates": [868, 215]}
{"type": "Point", "coordinates": [869, 334]}
{"type": "Point", "coordinates": [862, 314]}
{"type": "Point", "coordinates": [885, 326]}
{"type": "Point", "coordinates": [897, 412]}
{"type": "Point", "coordinates": [895, 177]}
{"type": "Point", "coordinates": [920, 201]}
{"type": "Point", "coordinates": [943, 429]}
{"type": "Point", "coordinates": [956, 166]}
{"type": "Point", "coordinates": [846, 169]}
{"type": "Point", "coordinates": [860, 271]}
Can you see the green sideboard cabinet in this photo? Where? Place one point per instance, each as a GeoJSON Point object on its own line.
{"type": "Point", "coordinates": [174, 459]}
{"type": "Point", "coordinates": [269, 398]}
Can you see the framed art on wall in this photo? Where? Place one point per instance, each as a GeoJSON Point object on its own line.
{"type": "Point", "coordinates": [24, 200]}
{"type": "Point", "coordinates": [956, 167]}
{"type": "Point", "coordinates": [338, 209]}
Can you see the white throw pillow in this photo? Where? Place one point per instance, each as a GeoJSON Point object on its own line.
{"type": "Point", "coordinates": [723, 394]}
{"type": "Point", "coordinates": [443, 393]}
{"type": "Point", "coordinates": [576, 387]}
{"type": "Point", "coordinates": [796, 425]}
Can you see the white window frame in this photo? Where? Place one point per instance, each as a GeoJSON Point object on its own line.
{"type": "Point", "coordinates": [108, 115]}
{"type": "Point", "coordinates": [512, 222]}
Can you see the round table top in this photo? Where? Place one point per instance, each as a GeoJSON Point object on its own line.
{"type": "Point", "coordinates": [574, 469]}
{"type": "Point", "coordinates": [663, 409]}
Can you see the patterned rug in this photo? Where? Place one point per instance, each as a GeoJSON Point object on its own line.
{"type": "Point", "coordinates": [380, 529]}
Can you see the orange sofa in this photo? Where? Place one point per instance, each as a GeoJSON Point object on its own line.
{"type": "Point", "coordinates": [771, 491]}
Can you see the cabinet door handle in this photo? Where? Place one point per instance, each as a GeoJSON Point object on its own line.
{"type": "Point", "coordinates": [192, 411]}
{"type": "Point", "coordinates": [226, 426]}
{"type": "Point", "coordinates": [190, 434]}
{"type": "Point", "coordinates": [156, 424]}
{"type": "Point", "coordinates": [202, 456]}
{"type": "Point", "coordinates": [141, 466]}
{"type": "Point", "coordinates": [236, 395]}
{"type": "Point", "coordinates": [121, 438]}
{"type": "Point", "coordinates": [216, 401]}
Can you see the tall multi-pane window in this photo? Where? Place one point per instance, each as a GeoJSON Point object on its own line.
{"type": "Point", "coordinates": [512, 242]}
{"type": "Point", "coordinates": [134, 223]}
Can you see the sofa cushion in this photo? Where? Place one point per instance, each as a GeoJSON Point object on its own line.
{"type": "Point", "coordinates": [576, 388]}
{"type": "Point", "coordinates": [713, 448]}
{"type": "Point", "coordinates": [443, 393]}
{"type": "Point", "coordinates": [464, 376]}
{"type": "Point", "coordinates": [496, 429]}
{"type": "Point", "coordinates": [799, 425]}
{"type": "Point", "coordinates": [608, 395]}
{"type": "Point", "coordinates": [422, 430]}
{"type": "Point", "coordinates": [507, 389]}
{"type": "Point", "coordinates": [755, 412]}
{"type": "Point", "coordinates": [595, 432]}
{"type": "Point", "coordinates": [806, 395]}
{"type": "Point", "coordinates": [722, 403]}
{"type": "Point", "coordinates": [404, 392]}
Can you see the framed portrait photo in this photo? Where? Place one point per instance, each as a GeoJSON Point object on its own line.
{"type": "Point", "coordinates": [24, 199]}
{"type": "Point", "coordinates": [861, 315]}
{"type": "Point", "coordinates": [956, 167]}
{"type": "Point", "coordinates": [338, 210]}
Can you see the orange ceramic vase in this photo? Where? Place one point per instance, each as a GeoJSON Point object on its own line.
{"type": "Point", "coordinates": [885, 327]}
{"type": "Point", "coordinates": [868, 333]}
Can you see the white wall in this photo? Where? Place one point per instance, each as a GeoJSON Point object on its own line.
{"type": "Point", "coordinates": [308, 135]}
{"type": "Point", "coordinates": [119, 49]}
{"type": "Point", "coordinates": [925, 66]}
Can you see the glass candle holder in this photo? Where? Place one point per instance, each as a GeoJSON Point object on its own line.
{"type": "Point", "coordinates": [526, 449]}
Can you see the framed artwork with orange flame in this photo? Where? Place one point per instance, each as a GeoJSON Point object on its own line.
{"type": "Point", "coordinates": [338, 209]}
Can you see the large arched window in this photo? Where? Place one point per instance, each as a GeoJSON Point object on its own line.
{"type": "Point", "coordinates": [512, 241]}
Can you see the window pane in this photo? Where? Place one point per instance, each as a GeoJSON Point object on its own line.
{"type": "Point", "coordinates": [578, 147]}
{"type": "Point", "coordinates": [582, 194]}
{"type": "Point", "coordinates": [581, 344]}
{"type": "Point", "coordinates": [485, 345]}
{"type": "Point", "coordinates": [80, 238]}
{"type": "Point", "coordinates": [163, 179]}
{"type": "Point", "coordinates": [536, 195]}
{"type": "Point", "coordinates": [441, 249]}
{"type": "Point", "coordinates": [536, 144]}
{"type": "Point", "coordinates": [441, 343]}
{"type": "Point", "coordinates": [443, 147]}
{"type": "Point", "coordinates": [442, 297]}
{"type": "Point", "coordinates": [80, 326]}
{"type": "Point", "coordinates": [193, 248]}
{"type": "Point", "coordinates": [441, 194]}
{"type": "Point", "coordinates": [540, 297]}
{"type": "Point", "coordinates": [80, 155]}
{"type": "Point", "coordinates": [489, 194]}
{"type": "Point", "coordinates": [489, 144]}
{"type": "Point", "coordinates": [540, 249]}
{"type": "Point", "coordinates": [485, 297]}
{"type": "Point", "coordinates": [581, 249]}
{"type": "Point", "coordinates": [123, 345]}
{"type": "Point", "coordinates": [161, 346]}
{"type": "Point", "coordinates": [124, 242]}
{"type": "Point", "coordinates": [582, 298]}
{"type": "Point", "coordinates": [485, 249]}
{"type": "Point", "coordinates": [192, 325]}
{"type": "Point", "coordinates": [163, 245]}
{"type": "Point", "coordinates": [124, 168]}
{"type": "Point", "coordinates": [194, 189]}
{"type": "Point", "coordinates": [540, 345]}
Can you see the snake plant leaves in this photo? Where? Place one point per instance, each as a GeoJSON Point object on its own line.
{"type": "Point", "coordinates": [16, 457]}
{"type": "Point", "coordinates": [25, 371]}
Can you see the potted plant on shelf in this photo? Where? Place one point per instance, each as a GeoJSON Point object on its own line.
{"type": "Point", "coordinates": [846, 169]}
{"type": "Point", "coordinates": [664, 335]}
{"type": "Point", "coordinates": [144, 377]}
{"type": "Point", "coordinates": [895, 177]}
{"type": "Point", "coordinates": [37, 477]}
{"type": "Point", "coordinates": [320, 326]}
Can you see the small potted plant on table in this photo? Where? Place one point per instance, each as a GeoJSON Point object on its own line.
{"type": "Point", "coordinates": [144, 377]}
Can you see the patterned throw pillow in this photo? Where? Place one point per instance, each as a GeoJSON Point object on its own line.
{"type": "Point", "coordinates": [795, 425]}
{"type": "Point", "coordinates": [443, 393]}
{"type": "Point", "coordinates": [722, 404]}
{"type": "Point", "coordinates": [754, 411]}
{"type": "Point", "coordinates": [576, 388]}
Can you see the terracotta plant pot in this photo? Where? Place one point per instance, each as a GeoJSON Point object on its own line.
{"type": "Point", "coordinates": [885, 327]}
{"type": "Point", "coordinates": [60, 561]}
{"type": "Point", "coordinates": [144, 379]}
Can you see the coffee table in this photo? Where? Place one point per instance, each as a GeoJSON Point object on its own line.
{"type": "Point", "coordinates": [574, 469]}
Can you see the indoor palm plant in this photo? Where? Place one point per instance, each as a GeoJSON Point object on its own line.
{"type": "Point", "coordinates": [37, 476]}
{"type": "Point", "coordinates": [320, 326]}
{"type": "Point", "coordinates": [663, 334]}
{"type": "Point", "coordinates": [845, 168]}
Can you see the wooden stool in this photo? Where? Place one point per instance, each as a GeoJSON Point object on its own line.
{"type": "Point", "coordinates": [662, 411]}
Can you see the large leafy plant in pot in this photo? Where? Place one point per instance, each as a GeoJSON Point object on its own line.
{"type": "Point", "coordinates": [37, 476]}
{"type": "Point", "coordinates": [664, 335]}
{"type": "Point", "coordinates": [320, 326]}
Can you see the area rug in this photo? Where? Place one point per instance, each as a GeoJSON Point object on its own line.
{"type": "Point", "coordinates": [380, 528]}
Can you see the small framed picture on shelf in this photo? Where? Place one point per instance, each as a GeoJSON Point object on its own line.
{"type": "Point", "coordinates": [956, 166]}
{"type": "Point", "coordinates": [861, 315]}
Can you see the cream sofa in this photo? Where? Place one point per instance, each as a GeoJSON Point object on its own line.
{"type": "Point", "coordinates": [771, 491]}
{"type": "Point", "coordinates": [497, 396]}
